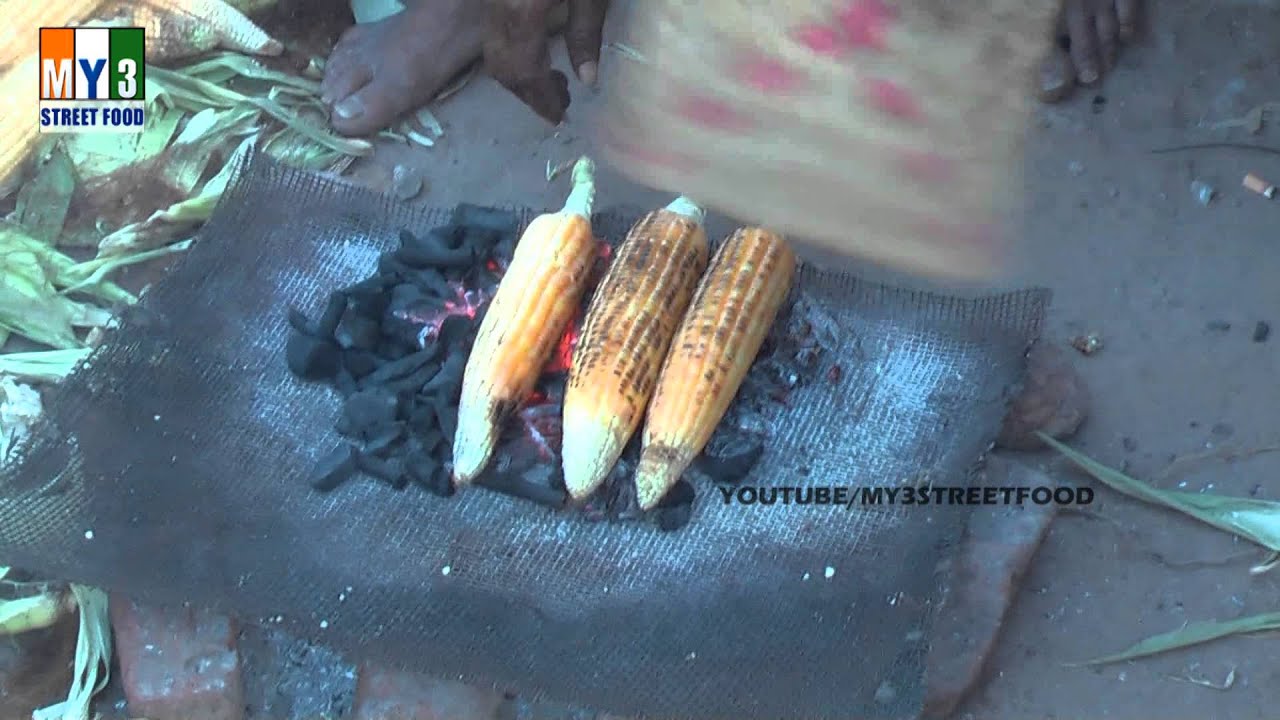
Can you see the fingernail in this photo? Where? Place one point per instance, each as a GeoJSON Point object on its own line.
{"type": "Point", "coordinates": [327, 99]}
{"type": "Point", "coordinates": [1088, 75]}
{"type": "Point", "coordinates": [587, 73]}
{"type": "Point", "coordinates": [349, 108]}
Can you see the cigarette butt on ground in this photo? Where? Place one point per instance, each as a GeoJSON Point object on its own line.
{"type": "Point", "coordinates": [1260, 186]}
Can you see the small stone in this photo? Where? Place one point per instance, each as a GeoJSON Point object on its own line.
{"type": "Point", "coordinates": [406, 183]}
{"type": "Point", "coordinates": [829, 573]}
{"type": "Point", "coordinates": [1129, 444]}
{"type": "Point", "coordinates": [1261, 332]}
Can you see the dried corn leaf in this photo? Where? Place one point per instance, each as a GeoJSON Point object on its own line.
{"type": "Point", "coordinates": [46, 366]}
{"type": "Point", "coordinates": [1189, 635]}
{"type": "Point", "coordinates": [44, 199]}
{"type": "Point", "coordinates": [1256, 520]}
{"type": "Point", "coordinates": [64, 272]}
{"type": "Point", "coordinates": [93, 657]}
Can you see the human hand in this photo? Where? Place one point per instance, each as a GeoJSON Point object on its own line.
{"type": "Point", "coordinates": [516, 53]}
{"type": "Point", "coordinates": [1088, 36]}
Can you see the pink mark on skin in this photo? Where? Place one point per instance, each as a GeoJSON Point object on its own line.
{"type": "Point", "coordinates": [712, 113]}
{"type": "Point", "coordinates": [866, 23]}
{"type": "Point", "coordinates": [976, 235]}
{"type": "Point", "coordinates": [892, 99]}
{"type": "Point", "coordinates": [926, 167]}
{"type": "Point", "coordinates": [647, 154]}
{"type": "Point", "coordinates": [821, 39]}
{"type": "Point", "coordinates": [766, 74]}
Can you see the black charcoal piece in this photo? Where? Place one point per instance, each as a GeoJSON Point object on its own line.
{"type": "Point", "coordinates": [299, 322]}
{"type": "Point", "coordinates": [368, 298]}
{"type": "Point", "coordinates": [432, 283]}
{"type": "Point", "coordinates": [454, 330]}
{"type": "Point", "coordinates": [435, 249]}
{"type": "Point", "coordinates": [334, 468]}
{"type": "Point", "coordinates": [391, 266]}
{"type": "Point", "coordinates": [360, 362]}
{"type": "Point", "coordinates": [399, 367]}
{"type": "Point", "coordinates": [446, 418]}
{"type": "Point", "coordinates": [732, 461]}
{"type": "Point", "coordinates": [620, 499]}
{"type": "Point", "coordinates": [428, 441]}
{"type": "Point", "coordinates": [675, 510]}
{"type": "Point", "coordinates": [343, 425]}
{"type": "Point", "coordinates": [1261, 331]}
{"type": "Point", "coordinates": [449, 377]}
{"type": "Point", "coordinates": [370, 408]}
{"type": "Point", "coordinates": [422, 418]}
{"type": "Point", "coordinates": [344, 382]}
{"type": "Point", "coordinates": [390, 471]}
{"type": "Point", "coordinates": [333, 311]}
{"type": "Point", "coordinates": [395, 348]}
{"type": "Point", "coordinates": [311, 358]}
{"type": "Point", "coordinates": [358, 331]}
{"type": "Point", "coordinates": [503, 221]}
{"type": "Point", "coordinates": [511, 484]}
{"type": "Point", "coordinates": [380, 441]}
{"type": "Point", "coordinates": [414, 381]}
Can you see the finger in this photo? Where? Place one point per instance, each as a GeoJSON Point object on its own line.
{"type": "Point", "coordinates": [583, 37]}
{"type": "Point", "coordinates": [1057, 76]}
{"type": "Point", "coordinates": [1127, 17]}
{"type": "Point", "coordinates": [344, 73]}
{"type": "Point", "coordinates": [1108, 34]}
{"type": "Point", "coordinates": [1084, 44]}
{"type": "Point", "coordinates": [516, 55]}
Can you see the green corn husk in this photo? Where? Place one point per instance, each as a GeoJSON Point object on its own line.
{"type": "Point", "coordinates": [44, 200]}
{"type": "Point", "coordinates": [93, 657]}
{"type": "Point", "coordinates": [47, 366]}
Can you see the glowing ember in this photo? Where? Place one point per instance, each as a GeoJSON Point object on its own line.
{"type": "Point", "coordinates": [542, 425]}
{"type": "Point", "coordinates": [465, 303]}
{"type": "Point", "coordinates": [562, 358]}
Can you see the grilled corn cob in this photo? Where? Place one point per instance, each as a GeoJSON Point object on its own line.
{"type": "Point", "coordinates": [625, 335]}
{"type": "Point", "coordinates": [538, 296]}
{"type": "Point", "coordinates": [731, 313]}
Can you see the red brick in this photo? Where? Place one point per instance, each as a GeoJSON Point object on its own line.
{"type": "Point", "coordinates": [177, 663]}
{"type": "Point", "coordinates": [998, 547]}
{"type": "Point", "coordinates": [387, 694]}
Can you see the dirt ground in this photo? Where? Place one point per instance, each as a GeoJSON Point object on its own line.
{"type": "Point", "coordinates": [1174, 288]}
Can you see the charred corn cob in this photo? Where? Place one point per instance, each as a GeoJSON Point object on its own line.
{"type": "Point", "coordinates": [625, 335]}
{"type": "Point", "coordinates": [538, 296]}
{"type": "Point", "coordinates": [731, 313]}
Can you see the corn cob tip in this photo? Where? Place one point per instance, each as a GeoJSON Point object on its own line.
{"type": "Point", "coordinates": [688, 208]}
{"type": "Point", "coordinates": [582, 197]}
{"type": "Point", "coordinates": [471, 450]}
{"type": "Point", "coordinates": [589, 451]}
{"type": "Point", "coordinates": [658, 471]}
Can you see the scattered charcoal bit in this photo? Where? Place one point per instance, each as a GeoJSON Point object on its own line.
{"type": "Point", "coordinates": [621, 502]}
{"type": "Point", "coordinates": [390, 470]}
{"type": "Point", "coordinates": [334, 468]}
{"type": "Point", "coordinates": [1219, 326]}
{"type": "Point", "coordinates": [359, 362]}
{"type": "Point", "coordinates": [514, 485]}
{"type": "Point", "coordinates": [383, 439]}
{"type": "Point", "coordinates": [299, 322]}
{"type": "Point", "coordinates": [400, 367]}
{"type": "Point", "coordinates": [676, 509]}
{"type": "Point", "coordinates": [1261, 331]}
{"type": "Point", "coordinates": [358, 331]}
{"type": "Point", "coordinates": [428, 441]}
{"type": "Point", "coordinates": [733, 461]}
{"type": "Point", "coordinates": [311, 358]}
{"type": "Point", "coordinates": [333, 312]}
{"type": "Point", "coordinates": [370, 408]}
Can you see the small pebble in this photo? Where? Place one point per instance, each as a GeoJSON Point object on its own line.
{"type": "Point", "coordinates": [1129, 444]}
{"type": "Point", "coordinates": [406, 183]}
{"type": "Point", "coordinates": [324, 624]}
{"type": "Point", "coordinates": [88, 534]}
{"type": "Point", "coordinates": [446, 570]}
{"type": "Point", "coordinates": [1261, 332]}
{"type": "Point", "coordinates": [829, 572]}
